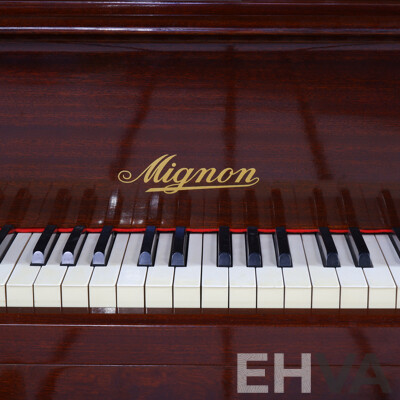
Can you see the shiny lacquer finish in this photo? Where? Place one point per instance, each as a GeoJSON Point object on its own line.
{"type": "Point", "coordinates": [318, 122]}
{"type": "Point", "coordinates": [114, 113]}
{"type": "Point", "coordinates": [187, 355]}
{"type": "Point", "coordinates": [217, 17]}
{"type": "Point", "coordinates": [294, 108]}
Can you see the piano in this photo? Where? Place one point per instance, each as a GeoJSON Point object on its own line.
{"type": "Point", "coordinates": [199, 199]}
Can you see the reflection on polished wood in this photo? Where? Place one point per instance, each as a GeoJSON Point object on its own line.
{"type": "Point", "coordinates": [153, 354]}
{"type": "Point", "coordinates": [305, 92]}
{"type": "Point", "coordinates": [19, 206]}
{"type": "Point", "coordinates": [306, 116]}
{"type": "Point", "coordinates": [310, 115]}
{"type": "Point", "coordinates": [313, 18]}
{"type": "Point", "coordinates": [388, 208]}
{"type": "Point", "coordinates": [126, 150]}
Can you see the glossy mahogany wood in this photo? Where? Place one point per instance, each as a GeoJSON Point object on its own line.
{"type": "Point", "coordinates": [319, 122]}
{"type": "Point", "coordinates": [178, 354]}
{"type": "Point", "coordinates": [91, 88]}
{"type": "Point", "coordinates": [216, 17]}
{"type": "Point", "coordinates": [224, 84]}
{"type": "Point", "coordinates": [199, 339]}
{"type": "Point", "coordinates": [168, 382]}
{"type": "Point", "coordinates": [165, 382]}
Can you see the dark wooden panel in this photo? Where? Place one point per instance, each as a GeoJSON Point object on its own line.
{"type": "Point", "coordinates": [308, 116]}
{"type": "Point", "coordinates": [18, 382]}
{"type": "Point", "coordinates": [226, 17]}
{"type": "Point", "coordinates": [80, 355]}
{"type": "Point", "coordinates": [195, 339]}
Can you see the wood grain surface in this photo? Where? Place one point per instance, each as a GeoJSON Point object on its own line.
{"type": "Point", "coordinates": [187, 355]}
{"type": "Point", "coordinates": [312, 18]}
{"type": "Point", "coordinates": [305, 92]}
{"type": "Point", "coordinates": [319, 121]}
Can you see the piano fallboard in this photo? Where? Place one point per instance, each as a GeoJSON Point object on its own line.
{"type": "Point", "coordinates": [137, 131]}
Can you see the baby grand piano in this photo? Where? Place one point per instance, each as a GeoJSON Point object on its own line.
{"type": "Point", "coordinates": [185, 181]}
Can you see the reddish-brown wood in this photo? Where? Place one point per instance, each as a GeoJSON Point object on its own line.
{"type": "Point", "coordinates": [319, 122]}
{"type": "Point", "coordinates": [184, 355]}
{"type": "Point", "coordinates": [167, 382]}
{"type": "Point", "coordinates": [305, 92]}
{"type": "Point", "coordinates": [195, 339]}
{"type": "Point", "coordinates": [210, 17]}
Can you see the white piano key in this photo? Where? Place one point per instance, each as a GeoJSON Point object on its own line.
{"type": "Point", "coordinates": [102, 286]}
{"type": "Point", "coordinates": [75, 287]}
{"type": "Point", "coordinates": [215, 280]}
{"type": "Point", "coordinates": [160, 278]}
{"type": "Point", "coordinates": [382, 289]}
{"type": "Point", "coordinates": [131, 281]}
{"type": "Point", "coordinates": [47, 287]}
{"type": "Point", "coordinates": [270, 287]}
{"type": "Point", "coordinates": [324, 281]}
{"type": "Point", "coordinates": [19, 287]}
{"type": "Point", "coordinates": [9, 261]}
{"type": "Point", "coordinates": [392, 259]}
{"type": "Point", "coordinates": [187, 281]}
{"type": "Point", "coordinates": [354, 287]}
{"type": "Point", "coordinates": [297, 279]}
{"type": "Point", "coordinates": [242, 280]}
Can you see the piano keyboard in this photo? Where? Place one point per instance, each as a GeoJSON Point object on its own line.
{"type": "Point", "coordinates": [210, 270]}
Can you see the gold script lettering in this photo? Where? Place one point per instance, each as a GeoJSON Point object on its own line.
{"type": "Point", "coordinates": [162, 170]}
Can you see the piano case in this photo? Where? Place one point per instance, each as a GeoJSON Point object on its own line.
{"type": "Point", "coordinates": [295, 107]}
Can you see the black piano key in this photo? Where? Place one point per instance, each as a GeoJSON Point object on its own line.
{"type": "Point", "coordinates": [396, 240]}
{"type": "Point", "coordinates": [5, 239]}
{"type": "Point", "coordinates": [283, 256]}
{"type": "Point", "coordinates": [253, 248]}
{"type": "Point", "coordinates": [359, 249]}
{"type": "Point", "coordinates": [224, 247]}
{"type": "Point", "coordinates": [148, 249]}
{"type": "Point", "coordinates": [73, 246]}
{"type": "Point", "coordinates": [103, 247]}
{"type": "Point", "coordinates": [329, 253]}
{"type": "Point", "coordinates": [179, 248]}
{"type": "Point", "coordinates": [44, 246]}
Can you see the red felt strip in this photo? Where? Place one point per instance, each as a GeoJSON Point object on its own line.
{"type": "Point", "coordinates": [376, 231]}
{"type": "Point", "coordinates": [199, 230]}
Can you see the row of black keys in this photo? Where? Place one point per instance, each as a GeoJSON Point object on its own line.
{"type": "Point", "coordinates": [179, 247]}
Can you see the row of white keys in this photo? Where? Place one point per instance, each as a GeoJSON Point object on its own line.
{"type": "Point", "coordinates": [122, 283]}
{"type": "Point", "coordinates": [74, 289]}
{"type": "Point", "coordinates": [215, 280]}
{"type": "Point", "coordinates": [270, 286]}
{"type": "Point", "coordinates": [102, 286]}
{"type": "Point", "coordinates": [132, 278]}
{"type": "Point", "coordinates": [9, 261]}
{"type": "Point", "coordinates": [242, 279]}
{"type": "Point", "coordinates": [392, 259]}
{"type": "Point", "coordinates": [19, 287]}
{"type": "Point", "coordinates": [382, 289]}
{"type": "Point", "coordinates": [187, 282]}
{"type": "Point", "coordinates": [297, 279]}
{"type": "Point", "coordinates": [354, 287]}
{"type": "Point", "coordinates": [160, 277]}
{"type": "Point", "coordinates": [325, 284]}
{"type": "Point", "coordinates": [47, 286]}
